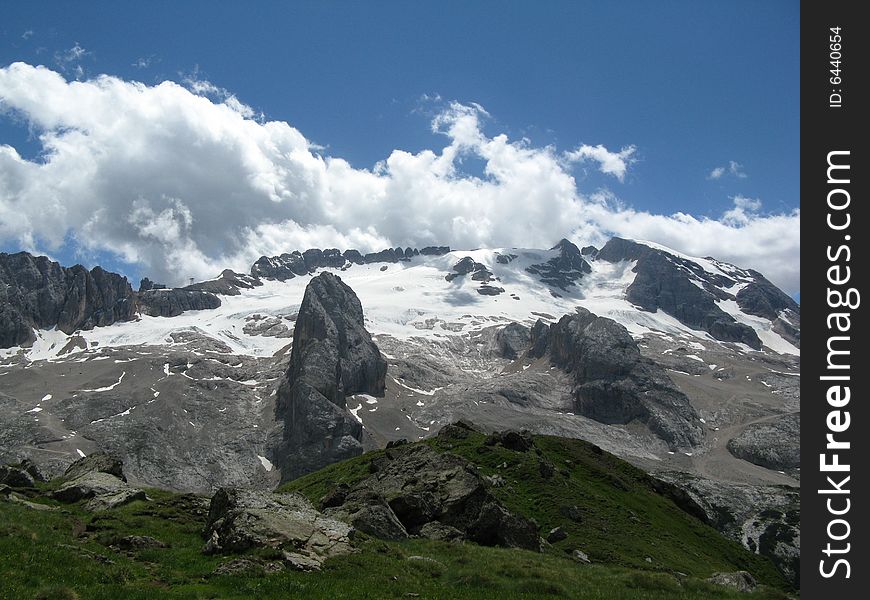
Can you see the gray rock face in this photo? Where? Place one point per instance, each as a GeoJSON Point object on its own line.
{"type": "Point", "coordinates": [173, 302]}
{"type": "Point", "coordinates": [774, 444]}
{"type": "Point", "coordinates": [668, 282]}
{"type": "Point", "coordinates": [282, 268]}
{"type": "Point", "coordinates": [512, 340]}
{"type": "Point", "coordinates": [490, 290]}
{"type": "Point", "coordinates": [294, 264]}
{"type": "Point", "coordinates": [389, 255]}
{"type": "Point", "coordinates": [565, 270]}
{"type": "Point", "coordinates": [614, 383]}
{"type": "Point", "coordinates": [433, 494]}
{"type": "Point", "coordinates": [38, 293]}
{"type": "Point", "coordinates": [435, 250]}
{"type": "Point", "coordinates": [368, 512]}
{"type": "Point", "coordinates": [239, 520]}
{"type": "Point", "coordinates": [764, 299]}
{"type": "Point", "coordinates": [765, 519]}
{"type": "Point", "coordinates": [333, 356]}
{"type": "Point", "coordinates": [228, 284]}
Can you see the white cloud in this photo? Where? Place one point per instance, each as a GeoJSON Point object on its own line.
{"type": "Point", "coordinates": [143, 62]}
{"type": "Point", "coordinates": [716, 173]}
{"type": "Point", "coordinates": [611, 163]}
{"type": "Point", "coordinates": [734, 168]}
{"type": "Point", "coordinates": [188, 183]}
{"type": "Point", "coordinates": [27, 34]}
{"type": "Point", "coordinates": [67, 60]}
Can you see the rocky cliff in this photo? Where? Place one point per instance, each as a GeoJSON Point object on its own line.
{"type": "Point", "coordinates": [36, 292]}
{"type": "Point", "coordinates": [333, 356]}
{"type": "Point", "coordinates": [613, 382]}
{"type": "Point", "coordinates": [681, 288]}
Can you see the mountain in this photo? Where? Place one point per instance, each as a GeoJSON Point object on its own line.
{"type": "Point", "coordinates": [688, 367]}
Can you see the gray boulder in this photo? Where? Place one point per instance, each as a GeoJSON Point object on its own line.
{"type": "Point", "coordinates": [421, 486]}
{"type": "Point", "coordinates": [333, 356]}
{"type": "Point", "coordinates": [102, 490]}
{"type": "Point", "coordinates": [369, 512]}
{"type": "Point", "coordinates": [16, 477]}
{"type": "Point", "coordinates": [741, 581]}
{"type": "Point", "coordinates": [97, 462]}
{"type": "Point", "coordinates": [240, 520]}
{"type": "Point", "coordinates": [435, 530]}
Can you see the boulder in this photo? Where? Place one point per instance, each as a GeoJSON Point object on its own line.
{"type": "Point", "coordinates": [240, 520]}
{"type": "Point", "coordinates": [31, 468]}
{"type": "Point", "coordinates": [102, 490]}
{"type": "Point", "coordinates": [427, 491]}
{"type": "Point", "coordinates": [741, 581]}
{"type": "Point", "coordinates": [97, 462]}
{"type": "Point", "coordinates": [16, 477]}
{"type": "Point", "coordinates": [557, 534]}
{"type": "Point", "coordinates": [773, 444]}
{"type": "Point", "coordinates": [369, 512]}
{"type": "Point", "coordinates": [435, 530]}
{"type": "Point", "coordinates": [490, 290]}
{"type": "Point", "coordinates": [518, 441]}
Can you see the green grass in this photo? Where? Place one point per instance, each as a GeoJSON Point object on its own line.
{"type": "Point", "coordinates": [623, 519]}
{"type": "Point", "coordinates": [67, 554]}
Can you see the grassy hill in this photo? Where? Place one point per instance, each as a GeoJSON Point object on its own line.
{"type": "Point", "coordinates": [642, 545]}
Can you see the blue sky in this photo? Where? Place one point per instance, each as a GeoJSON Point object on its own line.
{"type": "Point", "coordinates": [698, 89]}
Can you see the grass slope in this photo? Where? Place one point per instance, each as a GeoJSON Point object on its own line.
{"type": "Point", "coordinates": [66, 553]}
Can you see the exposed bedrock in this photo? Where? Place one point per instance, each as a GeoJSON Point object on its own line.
{"type": "Point", "coordinates": [333, 356]}
{"type": "Point", "coordinates": [613, 382]}
{"type": "Point", "coordinates": [680, 288]}
{"type": "Point", "coordinates": [36, 292]}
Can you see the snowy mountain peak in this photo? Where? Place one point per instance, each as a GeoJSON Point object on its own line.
{"type": "Point", "coordinates": [437, 292]}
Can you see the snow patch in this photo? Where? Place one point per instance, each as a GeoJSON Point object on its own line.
{"type": "Point", "coordinates": [107, 388]}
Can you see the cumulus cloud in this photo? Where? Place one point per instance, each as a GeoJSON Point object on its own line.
{"type": "Point", "coordinates": [611, 163]}
{"type": "Point", "coordinates": [734, 168]}
{"type": "Point", "coordinates": [185, 181]}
